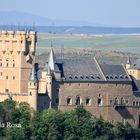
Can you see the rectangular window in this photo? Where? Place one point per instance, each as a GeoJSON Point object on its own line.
{"type": "Point", "coordinates": [6, 77]}
{"type": "Point", "coordinates": [0, 73]}
{"type": "Point", "coordinates": [7, 64]}
{"type": "Point", "coordinates": [6, 90]}
{"type": "Point", "coordinates": [13, 64]}
{"type": "Point", "coordinates": [13, 77]}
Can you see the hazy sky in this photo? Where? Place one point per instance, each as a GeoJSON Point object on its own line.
{"type": "Point", "coordinates": [106, 12]}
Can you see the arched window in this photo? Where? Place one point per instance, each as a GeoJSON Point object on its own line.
{"type": "Point", "coordinates": [69, 101]}
{"type": "Point", "coordinates": [100, 102]}
{"type": "Point", "coordinates": [122, 101]}
{"type": "Point", "coordinates": [116, 101]}
{"type": "Point", "coordinates": [137, 103]}
{"type": "Point", "coordinates": [88, 101]}
{"type": "Point", "coordinates": [78, 100]}
{"type": "Point", "coordinates": [134, 103]}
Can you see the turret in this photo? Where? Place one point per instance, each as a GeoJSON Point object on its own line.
{"type": "Point", "coordinates": [33, 88]}
{"type": "Point", "coordinates": [49, 84]}
{"type": "Point", "coordinates": [128, 64]}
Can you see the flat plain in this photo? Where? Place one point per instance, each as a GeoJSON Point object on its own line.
{"type": "Point", "coordinates": [106, 48]}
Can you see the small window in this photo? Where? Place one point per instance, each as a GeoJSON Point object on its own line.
{"type": "Point", "coordinates": [134, 103]}
{"type": "Point", "coordinates": [69, 101]}
{"type": "Point", "coordinates": [116, 77]}
{"type": "Point", "coordinates": [111, 77]}
{"type": "Point", "coordinates": [0, 73]}
{"type": "Point", "coordinates": [82, 77]}
{"type": "Point", "coordinates": [76, 77]}
{"type": "Point", "coordinates": [6, 90]}
{"type": "Point", "coordinates": [6, 77]}
{"type": "Point", "coordinates": [1, 64]}
{"type": "Point", "coordinates": [7, 64]}
{"type": "Point", "coordinates": [116, 101]}
{"type": "Point", "coordinates": [34, 84]}
{"type": "Point", "coordinates": [13, 64]}
{"type": "Point", "coordinates": [13, 77]}
{"type": "Point", "coordinates": [87, 77]}
{"type": "Point", "coordinates": [122, 101]}
{"type": "Point", "coordinates": [100, 103]}
{"type": "Point", "coordinates": [111, 101]}
{"type": "Point", "coordinates": [137, 103]}
{"type": "Point", "coordinates": [107, 77]}
{"type": "Point", "coordinates": [30, 93]}
{"type": "Point", "coordinates": [126, 101]}
{"type": "Point", "coordinates": [88, 101]}
{"type": "Point", "coordinates": [98, 77]}
{"type": "Point", "coordinates": [78, 101]}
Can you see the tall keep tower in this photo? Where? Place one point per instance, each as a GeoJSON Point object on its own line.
{"type": "Point", "coordinates": [17, 56]}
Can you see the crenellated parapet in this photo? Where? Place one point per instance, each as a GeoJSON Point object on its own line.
{"type": "Point", "coordinates": [20, 41]}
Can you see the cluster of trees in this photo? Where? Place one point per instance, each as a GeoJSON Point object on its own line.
{"type": "Point", "coordinates": [49, 124]}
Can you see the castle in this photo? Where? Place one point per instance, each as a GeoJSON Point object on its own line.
{"type": "Point", "coordinates": [108, 91]}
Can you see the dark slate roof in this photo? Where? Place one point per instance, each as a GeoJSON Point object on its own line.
{"type": "Point", "coordinates": [114, 72]}
{"type": "Point", "coordinates": [80, 70]}
{"type": "Point", "coordinates": [136, 65]}
{"type": "Point", "coordinates": [135, 84]}
{"type": "Point", "coordinates": [33, 74]}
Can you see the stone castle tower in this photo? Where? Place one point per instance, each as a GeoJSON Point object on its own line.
{"type": "Point", "coordinates": [17, 56]}
{"type": "Point", "coordinates": [33, 88]}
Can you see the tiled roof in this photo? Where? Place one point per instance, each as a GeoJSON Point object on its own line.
{"type": "Point", "coordinates": [114, 72]}
{"type": "Point", "coordinates": [90, 70]}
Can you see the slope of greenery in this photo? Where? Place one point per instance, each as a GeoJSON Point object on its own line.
{"type": "Point", "coordinates": [49, 124]}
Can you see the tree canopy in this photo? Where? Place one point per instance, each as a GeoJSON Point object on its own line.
{"type": "Point", "coordinates": [49, 124]}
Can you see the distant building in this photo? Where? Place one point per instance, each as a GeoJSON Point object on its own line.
{"type": "Point", "coordinates": [111, 92]}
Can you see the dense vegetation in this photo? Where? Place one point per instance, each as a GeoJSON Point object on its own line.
{"type": "Point", "coordinates": [55, 125]}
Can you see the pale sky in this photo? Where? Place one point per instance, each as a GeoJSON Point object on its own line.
{"type": "Point", "coordinates": [106, 12]}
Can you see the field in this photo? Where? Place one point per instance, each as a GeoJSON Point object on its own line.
{"type": "Point", "coordinates": [107, 48]}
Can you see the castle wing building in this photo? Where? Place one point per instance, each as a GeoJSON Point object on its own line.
{"type": "Point", "coordinates": [111, 92]}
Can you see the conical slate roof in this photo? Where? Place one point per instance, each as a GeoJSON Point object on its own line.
{"type": "Point", "coordinates": [33, 75]}
{"type": "Point", "coordinates": [51, 61]}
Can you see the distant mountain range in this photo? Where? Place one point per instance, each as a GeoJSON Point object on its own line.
{"type": "Point", "coordinates": [15, 18]}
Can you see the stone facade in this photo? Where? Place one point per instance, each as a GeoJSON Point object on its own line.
{"type": "Point", "coordinates": [110, 92]}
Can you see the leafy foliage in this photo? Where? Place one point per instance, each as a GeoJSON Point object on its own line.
{"type": "Point", "coordinates": [49, 124]}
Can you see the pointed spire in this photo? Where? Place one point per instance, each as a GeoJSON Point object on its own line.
{"type": "Point", "coordinates": [33, 75]}
{"type": "Point", "coordinates": [48, 71]}
{"type": "Point", "coordinates": [51, 61]}
{"type": "Point", "coordinates": [128, 60]}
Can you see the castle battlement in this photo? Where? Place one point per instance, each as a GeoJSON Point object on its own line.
{"type": "Point", "coordinates": [18, 41]}
{"type": "Point", "coordinates": [14, 34]}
